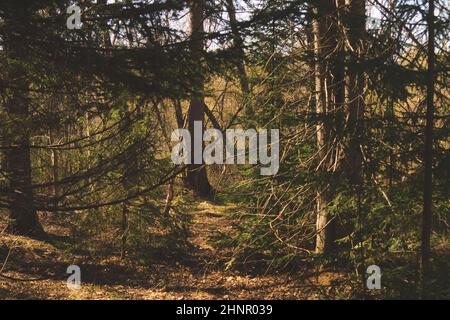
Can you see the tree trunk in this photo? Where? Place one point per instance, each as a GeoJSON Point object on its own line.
{"type": "Point", "coordinates": [428, 154]}
{"type": "Point", "coordinates": [323, 44]}
{"type": "Point", "coordinates": [354, 87]}
{"type": "Point", "coordinates": [239, 47]}
{"type": "Point", "coordinates": [197, 178]}
{"type": "Point", "coordinates": [355, 27]}
{"type": "Point", "coordinates": [55, 168]}
{"type": "Point", "coordinates": [124, 230]}
{"type": "Point", "coordinates": [24, 219]}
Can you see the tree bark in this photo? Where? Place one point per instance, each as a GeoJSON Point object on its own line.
{"type": "Point", "coordinates": [24, 219]}
{"type": "Point", "coordinates": [323, 45]}
{"type": "Point", "coordinates": [197, 178]}
{"type": "Point", "coordinates": [428, 154]}
{"type": "Point", "coordinates": [239, 47]}
{"type": "Point", "coordinates": [55, 168]}
{"type": "Point", "coordinates": [354, 86]}
{"type": "Point", "coordinates": [124, 227]}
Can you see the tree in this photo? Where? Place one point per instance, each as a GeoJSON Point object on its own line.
{"type": "Point", "coordinates": [354, 86]}
{"type": "Point", "coordinates": [238, 44]}
{"type": "Point", "coordinates": [428, 152]}
{"type": "Point", "coordinates": [76, 76]}
{"type": "Point", "coordinates": [328, 96]}
{"type": "Point", "coordinates": [338, 38]}
{"type": "Point", "coordinates": [197, 178]}
{"type": "Point", "coordinates": [23, 216]}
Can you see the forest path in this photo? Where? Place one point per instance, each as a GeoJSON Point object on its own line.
{"type": "Point", "coordinates": [196, 274]}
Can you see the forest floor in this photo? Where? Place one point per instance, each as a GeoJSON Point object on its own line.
{"type": "Point", "coordinates": [32, 269]}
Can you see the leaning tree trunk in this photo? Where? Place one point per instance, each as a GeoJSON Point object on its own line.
{"type": "Point", "coordinates": [23, 216]}
{"type": "Point", "coordinates": [197, 178]}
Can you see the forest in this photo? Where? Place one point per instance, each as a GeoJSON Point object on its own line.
{"type": "Point", "coordinates": [224, 149]}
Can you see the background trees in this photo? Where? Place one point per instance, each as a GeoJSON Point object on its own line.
{"type": "Point", "coordinates": [358, 89]}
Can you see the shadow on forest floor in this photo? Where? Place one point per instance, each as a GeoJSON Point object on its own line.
{"type": "Point", "coordinates": [35, 269]}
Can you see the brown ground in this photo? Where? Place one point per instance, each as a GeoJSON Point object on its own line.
{"type": "Point", "coordinates": [39, 271]}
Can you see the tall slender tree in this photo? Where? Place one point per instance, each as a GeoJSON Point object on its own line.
{"type": "Point", "coordinates": [354, 85]}
{"type": "Point", "coordinates": [238, 44]}
{"type": "Point", "coordinates": [24, 219]}
{"type": "Point", "coordinates": [428, 152]}
{"type": "Point", "coordinates": [197, 178]}
{"type": "Point", "coordinates": [327, 85]}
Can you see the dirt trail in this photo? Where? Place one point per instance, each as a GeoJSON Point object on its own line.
{"type": "Point", "coordinates": [197, 274]}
